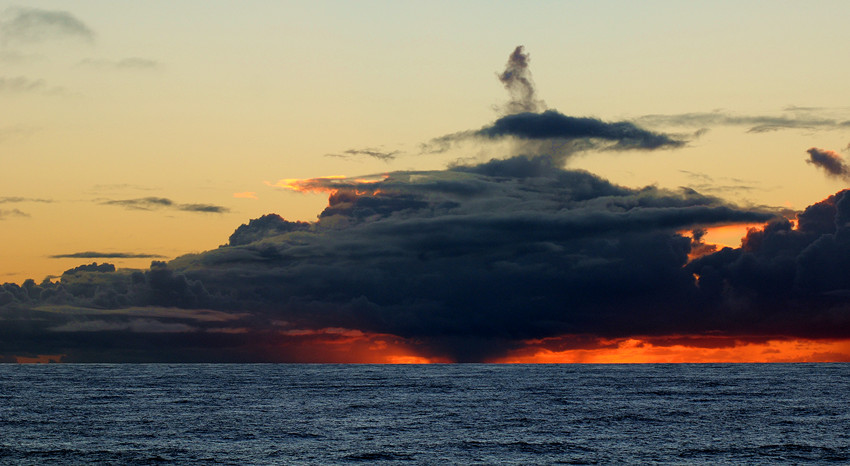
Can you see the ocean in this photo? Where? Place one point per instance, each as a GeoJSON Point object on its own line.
{"type": "Point", "coordinates": [424, 414]}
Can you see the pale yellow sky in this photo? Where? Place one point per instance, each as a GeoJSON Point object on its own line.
{"type": "Point", "coordinates": [195, 101]}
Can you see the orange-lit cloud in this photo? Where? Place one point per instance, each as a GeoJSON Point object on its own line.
{"type": "Point", "coordinates": [326, 184]}
{"type": "Point", "coordinates": [682, 349]}
{"type": "Point", "coordinates": [246, 195]}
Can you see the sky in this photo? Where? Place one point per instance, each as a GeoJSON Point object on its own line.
{"type": "Point", "coordinates": [511, 182]}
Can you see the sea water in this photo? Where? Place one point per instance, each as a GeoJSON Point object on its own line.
{"type": "Point", "coordinates": [425, 414]}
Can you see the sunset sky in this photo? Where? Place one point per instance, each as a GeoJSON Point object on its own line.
{"type": "Point", "coordinates": [141, 131]}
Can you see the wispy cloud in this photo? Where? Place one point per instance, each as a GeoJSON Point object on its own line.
{"type": "Point", "coordinates": [12, 213]}
{"type": "Point", "coordinates": [105, 255]}
{"type": "Point", "coordinates": [33, 25]}
{"type": "Point", "coordinates": [205, 208]}
{"type": "Point", "coordinates": [22, 84]}
{"type": "Point", "coordinates": [705, 183]}
{"type": "Point", "coordinates": [132, 63]}
{"type": "Point", "coordinates": [386, 156]}
{"type": "Point", "coordinates": [16, 199]}
{"type": "Point", "coordinates": [153, 203]}
{"type": "Point", "coordinates": [517, 80]}
{"type": "Point", "coordinates": [246, 195]}
{"type": "Point", "coordinates": [802, 118]}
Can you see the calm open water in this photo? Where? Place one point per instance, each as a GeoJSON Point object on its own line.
{"type": "Point", "coordinates": [466, 413]}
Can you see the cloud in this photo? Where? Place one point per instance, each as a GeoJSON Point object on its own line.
{"type": "Point", "coordinates": [831, 162]}
{"type": "Point", "coordinates": [374, 153]}
{"type": "Point", "coordinates": [17, 199]}
{"type": "Point", "coordinates": [21, 85]}
{"type": "Point", "coordinates": [12, 213]}
{"type": "Point", "coordinates": [14, 57]}
{"type": "Point", "coordinates": [464, 263]}
{"type": "Point", "coordinates": [132, 63]}
{"type": "Point", "coordinates": [105, 255]}
{"type": "Point", "coordinates": [540, 131]}
{"type": "Point", "coordinates": [517, 80]}
{"type": "Point", "coordinates": [246, 195]}
{"type": "Point", "coordinates": [708, 184]}
{"type": "Point", "coordinates": [554, 125]}
{"type": "Point", "coordinates": [266, 226]}
{"type": "Point", "coordinates": [133, 325]}
{"type": "Point", "coordinates": [801, 119]}
{"type": "Point", "coordinates": [204, 208]}
{"type": "Point", "coordinates": [32, 25]}
{"type": "Point", "coordinates": [154, 203]}
{"type": "Point", "coordinates": [471, 263]}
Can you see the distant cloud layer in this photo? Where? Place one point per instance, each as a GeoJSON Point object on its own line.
{"type": "Point", "coordinates": [153, 203]}
{"type": "Point", "coordinates": [105, 255]}
{"type": "Point", "coordinates": [802, 118]}
{"type": "Point", "coordinates": [17, 199]}
{"type": "Point", "coordinates": [33, 25]}
{"type": "Point", "coordinates": [385, 156]}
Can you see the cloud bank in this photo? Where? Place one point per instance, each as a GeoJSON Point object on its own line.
{"type": "Point", "coordinates": [470, 263]}
{"type": "Point", "coordinates": [464, 264]}
{"type": "Point", "coordinates": [801, 118]}
{"type": "Point", "coordinates": [33, 25]}
{"type": "Point", "coordinates": [105, 255]}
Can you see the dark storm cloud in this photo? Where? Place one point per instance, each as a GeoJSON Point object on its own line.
{"type": "Point", "coordinates": [465, 264]}
{"type": "Point", "coordinates": [785, 280]}
{"type": "Point", "coordinates": [105, 255]}
{"type": "Point", "coordinates": [831, 162]}
{"type": "Point", "coordinates": [264, 227]}
{"type": "Point", "coordinates": [32, 25]}
{"type": "Point", "coordinates": [757, 123]}
{"type": "Point", "coordinates": [468, 262]}
{"type": "Point", "coordinates": [153, 203]}
{"type": "Point", "coordinates": [517, 80]}
{"type": "Point", "coordinates": [385, 156]}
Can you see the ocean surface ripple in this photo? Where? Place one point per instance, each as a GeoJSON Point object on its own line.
{"type": "Point", "coordinates": [424, 414]}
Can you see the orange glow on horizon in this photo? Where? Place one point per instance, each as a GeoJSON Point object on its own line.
{"type": "Point", "coordinates": [686, 350]}
{"type": "Point", "coordinates": [40, 359]}
{"type": "Point", "coordinates": [340, 345]}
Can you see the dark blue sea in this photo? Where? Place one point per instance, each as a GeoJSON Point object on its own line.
{"type": "Point", "coordinates": [425, 414]}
